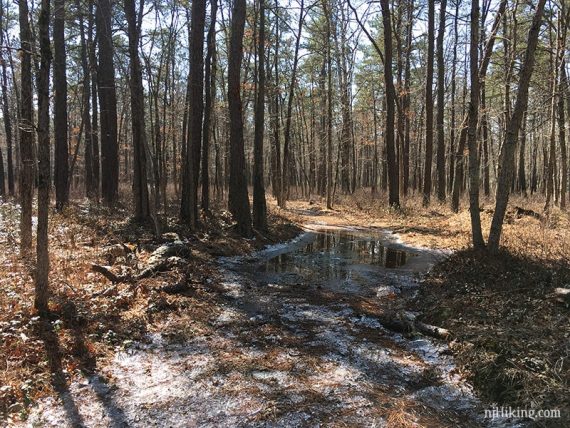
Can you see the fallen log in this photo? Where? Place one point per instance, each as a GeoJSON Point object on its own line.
{"type": "Point", "coordinates": [160, 260]}
{"type": "Point", "coordinates": [562, 295]}
{"type": "Point", "coordinates": [407, 323]}
{"type": "Point", "coordinates": [107, 273]}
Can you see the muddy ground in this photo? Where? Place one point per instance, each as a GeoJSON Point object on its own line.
{"type": "Point", "coordinates": [291, 337]}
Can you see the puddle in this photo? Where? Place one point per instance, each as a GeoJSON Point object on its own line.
{"type": "Point", "coordinates": [281, 353]}
{"type": "Point", "coordinates": [347, 261]}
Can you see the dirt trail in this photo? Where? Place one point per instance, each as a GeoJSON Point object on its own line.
{"type": "Point", "coordinates": [293, 342]}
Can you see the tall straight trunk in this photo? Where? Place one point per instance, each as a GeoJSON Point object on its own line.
{"type": "Point", "coordinates": [452, 154]}
{"type": "Point", "coordinates": [275, 118]}
{"type": "Point", "coordinates": [562, 136]}
{"type": "Point", "coordinates": [86, 110]}
{"type": "Point", "coordinates": [506, 167]}
{"type": "Point", "coordinates": [393, 180]}
{"type": "Point", "coordinates": [6, 110]}
{"type": "Point", "coordinates": [94, 103]}
{"type": "Point", "coordinates": [406, 100]}
{"type": "Point", "coordinates": [61, 167]}
{"type": "Point", "coordinates": [259, 204]}
{"type": "Point", "coordinates": [238, 195]}
{"type": "Point", "coordinates": [522, 187]}
{"type": "Point", "coordinates": [557, 68]}
{"type": "Point", "coordinates": [108, 105]}
{"type": "Point", "coordinates": [482, 70]}
{"type": "Point", "coordinates": [140, 185]}
{"type": "Point", "coordinates": [288, 117]}
{"type": "Point", "coordinates": [477, 234]}
{"type": "Point", "coordinates": [429, 104]}
{"type": "Point", "coordinates": [26, 126]}
{"type": "Point", "coordinates": [189, 203]}
{"type": "Point", "coordinates": [440, 161]}
{"type": "Point", "coordinates": [210, 79]}
{"type": "Point", "coordinates": [329, 127]}
{"type": "Point", "coordinates": [42, 253]}
{"type": "Point", "coordinates": [485, 142]}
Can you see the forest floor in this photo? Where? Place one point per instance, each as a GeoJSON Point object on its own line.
{"type": "Point", "coordinates": [510, 337]}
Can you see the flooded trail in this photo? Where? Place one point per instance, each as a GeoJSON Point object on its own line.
{"type": "Point", "coordinates": [293, 342]}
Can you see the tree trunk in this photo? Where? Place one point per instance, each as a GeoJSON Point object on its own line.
{"type": "Point", "coordinates": [238, 195]}
{"type": "Point", "coordinates": [86, 110]}
{"type": "Point", "coordinates": [288, 118]}
{"type": "Point", "coordinates": [259, 205]}
{"type": "Point", "coordinates": [140, 184]}
{"type": "Point", "coordinates": [393, 180]}
{"type": "Point", "coordinates": [440, 161]}
{"type": "Point", "coordinates": [210, 79]}
{"type": "Point", "coordinates": [6, 110]}
{"type": "Point", "coordinates": [26, 131]}
{"type": "Point", "coordinates": [42, 253]}
{"type": "Point", "coordinates": [429, 104]}
{"type": "Point", "coordinates": [61, 168]}
{"type": "Point", "coordinates": [477, 234]}
{"type": "Point", "coordinates": [507, 157]}
{"type": "Point", "coordinates": [189, 203]}
{"type": "Point", "coordinates": [107, 104]}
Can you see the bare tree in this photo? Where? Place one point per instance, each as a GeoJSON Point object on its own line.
{"type": "Point", "coordinates": [26, 126]}
{"type": "Point", "coordinates": [259, 204]}
{"type": "Point", "coordinates": [42, 253]}
{"type": "Point", "coordinates": [507, 158]}
{"type": "Point", "coordinates": [238, 195]}
{"type": "Point", "coordinates": [61, 168]}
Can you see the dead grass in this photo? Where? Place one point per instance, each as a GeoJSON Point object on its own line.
{"type": "Point", "coordinates": [512, 339]}
{"type": "Point", "coordinates": [86, 327]}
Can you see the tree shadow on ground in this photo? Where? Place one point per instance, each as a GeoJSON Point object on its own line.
{"type": "Point", "coordinates": [87, 366]}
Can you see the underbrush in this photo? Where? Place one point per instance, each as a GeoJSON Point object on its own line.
{"type": "Point", "coordinates": [511, 334]}
{"type": "Point", "coordinates": [90, 318]}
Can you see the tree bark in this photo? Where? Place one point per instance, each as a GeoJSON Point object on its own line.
{"type": "Point", "coordinates": [140, 184]}
{"type": "Point", "coordinates": [61, 167]}
{"type": "Point", "coordinates": [429, 104]}
{"type": "Point", "coordinates": [210, 79]}
{"type": "Point", "coordinates": [26, 189]}
{"type": "Point", "coordinates": [440, 161]}
{"type": "Point", "coordinates": [6, 110]}
{"type": "Point", "coordinates": [393, 173]}
{"type": "Point", "coordinates": [506, 166]}
{"type": "Point", "coordinates": [108, 104]}
{"type": "Point", "coordinates": [259, 204]}
{"type": "Point", "coordinates": [189, 203]}
{"type": "Point", "coordinates": [238, 194]}
{"type": "Point", "coordinates": [42, 253]}
{"type": "Point", "coordinates": [477, 234]}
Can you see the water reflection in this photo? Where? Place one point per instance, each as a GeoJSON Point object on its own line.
{"type": "Point", "coordinates": [346, 260]}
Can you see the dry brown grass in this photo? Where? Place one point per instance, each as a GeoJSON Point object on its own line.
{"type": "Point", "coordinates": [86, 327]}
{"type": "Point", "coordinates": [511, 338]}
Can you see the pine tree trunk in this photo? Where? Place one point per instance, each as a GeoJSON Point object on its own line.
{"type": "Point", "coordinates": [61, 167]}
{"type": "Point", "coordinates": [429, 104]}
{"type": "Point", "coordinates": [477, 234]}
{"type": "Point", "coordinates": [440, 161]}
{"type": "Point", "coordinates": [238, 194]}
{"type": "Point", "coordinates": [189, 203]}
{"type": "Point", "coordinates": [210, 79]}
{"type": "Point", "coordinates": [507, 157]}
{"type": "Point", "coordinates": [393, 175]}
{"type": "Point", "coordinates": [140, 183]}
{"type": "Point", "coordinates": [26, 126]}
{"type": "Point", "coordinates": [6, 110]}
{"type": "Point", "coordinates": [42, 253]}
{"type": "Point", "coordinates": [108, 104]}
{"type": "Point", "coordinates": [259, 204]}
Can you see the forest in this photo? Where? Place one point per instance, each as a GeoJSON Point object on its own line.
{"type": "Point", "coordinates": [284, 213]}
